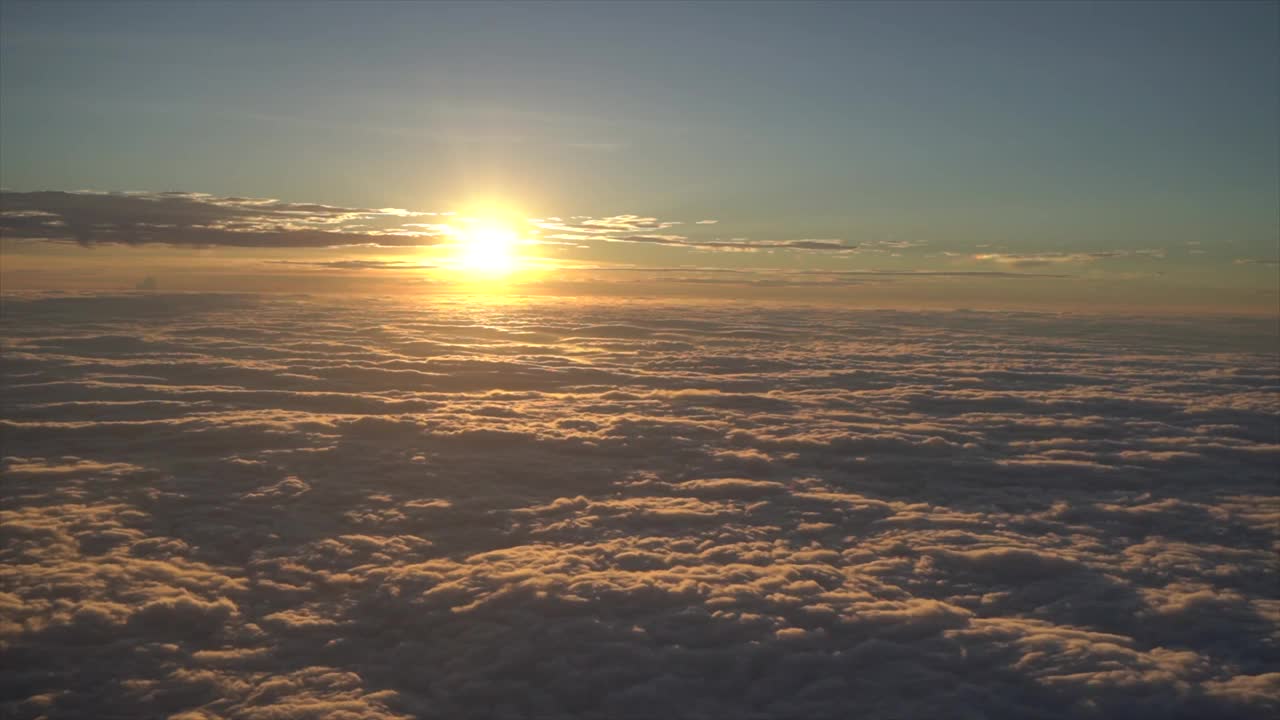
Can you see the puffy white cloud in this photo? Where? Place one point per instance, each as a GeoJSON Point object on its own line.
{"type": "Point", "coordinates": [555, 509]}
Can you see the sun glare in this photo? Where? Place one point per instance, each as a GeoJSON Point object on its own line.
{"type": "Point", "coordinates": [487, 247]}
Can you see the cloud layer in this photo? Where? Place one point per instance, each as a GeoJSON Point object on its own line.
{"type": "Point", "coordinates": [203, 220]}
{"type": "Point", "coordinates": [225, 506]}
{"type": "Point", "coordinates": [196, 219]}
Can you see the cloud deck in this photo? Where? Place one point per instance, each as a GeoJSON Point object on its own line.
{"type": "Point", "coordinates": [550, 509]}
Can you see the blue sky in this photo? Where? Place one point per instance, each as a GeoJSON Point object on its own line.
{"type": "Point", "coordinates": [1036, 127]}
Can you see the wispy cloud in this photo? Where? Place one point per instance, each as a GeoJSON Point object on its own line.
{"type": "Point", "coordinates": [1057, 258]}
{"type": "Point", "coordinates": [648, 230]}
{"type": "Point", "coordinates": [203, 220]}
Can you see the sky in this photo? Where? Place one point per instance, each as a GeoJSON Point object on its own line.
{"type": "Point", "coordinates": [1128, 150]}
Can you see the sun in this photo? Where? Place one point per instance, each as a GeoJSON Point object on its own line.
{"type": "Point", "coordinates": [487, 246]}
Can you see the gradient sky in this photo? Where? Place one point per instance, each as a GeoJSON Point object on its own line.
{"type": "Point", "coordinates": [1132, 146]}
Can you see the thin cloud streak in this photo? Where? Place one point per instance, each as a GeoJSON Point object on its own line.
{"type": "Point", "coordinates": [1044, 259]}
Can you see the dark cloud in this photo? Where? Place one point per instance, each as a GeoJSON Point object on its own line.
{"type": "Point", "coordinates": [356, 264]}
{"type": "Point", "coordinates": [193, 219]}
{"type": "Point", "coordinates": [556, 509]}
